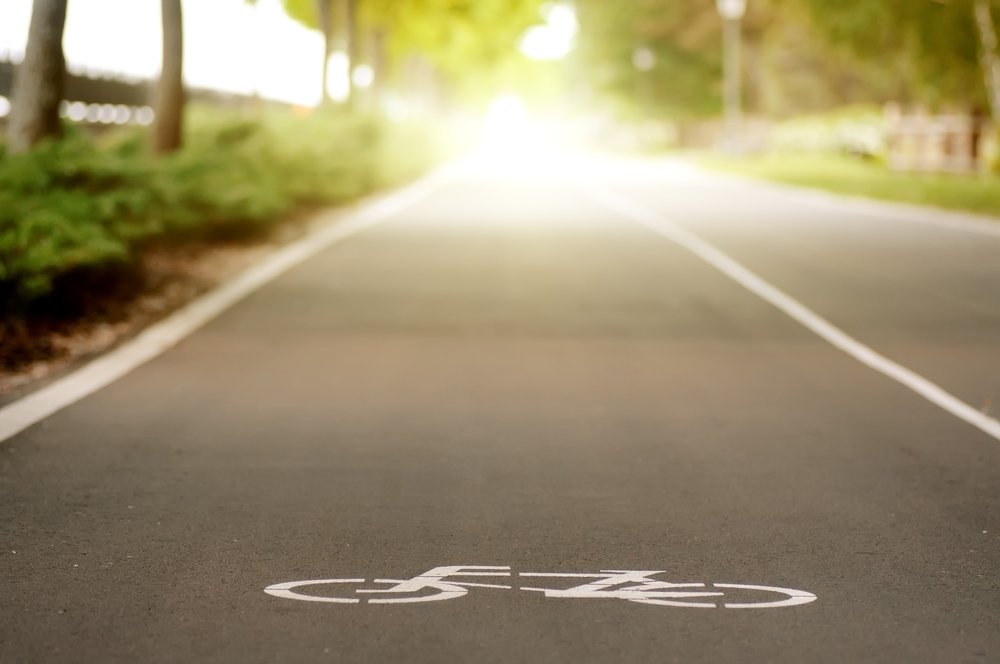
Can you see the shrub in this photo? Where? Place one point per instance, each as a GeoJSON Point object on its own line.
{"type": "Point", "coordinates": [84, 204]}
{"type": "Point", "coordinates": [67, 206]}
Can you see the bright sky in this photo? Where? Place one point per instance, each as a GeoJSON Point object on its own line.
{"type": "Point", "coordinates": [554, 39]}
{"type": "Point", "coordinates": [228, 45]}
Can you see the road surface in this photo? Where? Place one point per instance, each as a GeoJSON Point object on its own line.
{"type": "Point", "coordinates": [513, 373]}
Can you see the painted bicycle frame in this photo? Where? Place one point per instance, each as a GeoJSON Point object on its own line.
{"type": "Point", "coordinates": [454, 582]}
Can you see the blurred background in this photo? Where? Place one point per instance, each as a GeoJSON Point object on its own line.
{"type": "Point", "coordinates": [143, 126]}
{"type": "Point", "coordinates": [795, 74]}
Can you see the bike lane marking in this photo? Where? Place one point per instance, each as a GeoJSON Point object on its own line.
{"type": "Point", "coordinates": [435, 580]}
{"type": "Point", "coordinates": [796, 597]}
{"type": "Point", "coordinates": [639, 587]}
{"type": "Point", "coordinates": [284, 590]}
{"type": "Point", "coordinates": [797, 311]}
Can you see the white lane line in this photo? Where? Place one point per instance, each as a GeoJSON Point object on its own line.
{"type": "Point", "coordinates": [35, 407]}
{"type": "Point", "coordinates": [795, 309]}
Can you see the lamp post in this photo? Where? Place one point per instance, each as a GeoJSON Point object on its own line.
{"type": "Point", "coordinates": [732, 12]}
{"type": "Point", "coordinates": [644, 61]}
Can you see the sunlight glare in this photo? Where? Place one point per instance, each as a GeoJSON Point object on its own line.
{"type": "Point", "coordinates": [506, 127]}
{"type": "Point", "coordinates": [555, 39]}
{"type": "Point", "coordinates": [363, 76]}
{"type": "Point", "coordinates": [338, 77]}
{"type": "Point", "coordinates": [516, 145]}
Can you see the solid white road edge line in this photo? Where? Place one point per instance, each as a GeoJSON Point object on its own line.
{"type": "Point", "coordinates": [35, 407]}
{"type": "Point", "coordinates": [795, 309]}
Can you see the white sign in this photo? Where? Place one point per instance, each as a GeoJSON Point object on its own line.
{"type": "Point", "coordinates": [444, 583]}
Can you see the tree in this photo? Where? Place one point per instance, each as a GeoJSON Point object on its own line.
{"type": "Point", "coordinates": [324, 14]}
{"type": "Point", "coordinates": [938, 56]}
{"type": "Point", "coordinates": [680, 42]}
{"type": "Point", "coordinates": [169, 104]}
{"type": "Point", "coordinates": [319, 15]}
{"type": "Point", "coordinates": [39, 80]}
{"type": "Point", "coordinates": [802, 55]}
{"type": "Point", "coordinates": [456, 36]}
{"type": "Point", "coordinates": [352, 46]}
{"type": "Point", "coordinates": [990, 57]}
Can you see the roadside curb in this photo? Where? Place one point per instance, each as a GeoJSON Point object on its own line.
{"type": "Point", "coordinates": [105, 369]}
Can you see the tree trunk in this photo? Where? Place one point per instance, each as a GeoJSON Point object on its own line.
{"type": "Point", "coordinates": [170, 90]}
{"type": "Point", "coordinates": [39, 79]}
{"type": "Point", "coordinates": [990, 56]}
{"type": "Point", "coordinates": [379, 67]}
{"type": "Point", "coordinates": [353, 48]}
{"type": "Point", "coordinates": [324, 11]}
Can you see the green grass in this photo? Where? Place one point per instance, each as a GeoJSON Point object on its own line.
{"type": "Point", "coordinates": [849, 175]}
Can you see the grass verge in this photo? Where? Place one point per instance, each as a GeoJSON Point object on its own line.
{"type": "Point", "coordinates": [849, 175]}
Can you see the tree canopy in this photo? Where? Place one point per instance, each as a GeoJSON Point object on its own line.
{"type": "Point", "coordinates": [800, 54]}
{"type": "Point", "coordinates": [931, 47]}
{"type": "Point", "coordinates": [458, 36]}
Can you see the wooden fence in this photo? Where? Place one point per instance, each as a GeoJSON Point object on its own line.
{"type": "Point", "coordinates": [107, 99]}
{"type": "Point", "coordinates": [920, 142]}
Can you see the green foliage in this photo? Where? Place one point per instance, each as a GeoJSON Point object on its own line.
{"type": "Point", "coordinates": [305, 12]}
{"type": "Point", "coordinates": [685, 38]}
{"type": "Point", "coordinates": [799, 55]}
{"type": "Point", "coordinates": [461, 37]}
{"type": "Point", "coordinates": [75, 205]}
{"type": "Point", "coordinates": [64, 206]}
{"type": "Point", "coordinates": [930, 47]}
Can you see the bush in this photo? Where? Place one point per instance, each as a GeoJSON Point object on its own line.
{"type": "Point", "coordinates": [81, 204]}
{"type": "Point", "coordinates": [67, 206]}
{"type": "Point", "coordinates": [856, 131]}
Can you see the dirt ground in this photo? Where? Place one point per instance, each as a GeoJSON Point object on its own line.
{"type": "Point", "coordinates": [91, 317]}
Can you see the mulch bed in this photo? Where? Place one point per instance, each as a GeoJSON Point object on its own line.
{"type": "Point", "coordinates": [91, 312]}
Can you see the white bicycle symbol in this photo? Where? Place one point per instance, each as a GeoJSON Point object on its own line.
{"type": "Point", "coordinates": [444, 583]}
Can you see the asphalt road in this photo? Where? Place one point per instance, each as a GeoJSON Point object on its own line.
{"type": "Point", "coordinates": [510, 374]}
